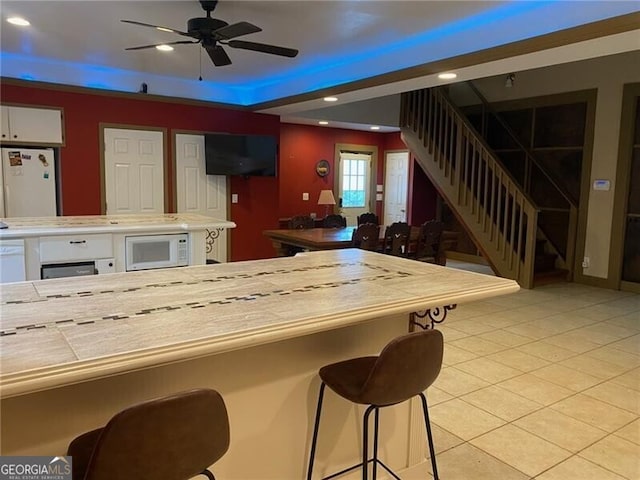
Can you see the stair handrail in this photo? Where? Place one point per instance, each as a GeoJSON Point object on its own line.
{"type": "Point", "coordinates": [465, 121]}
{"type": "Point", "coordinates": [512, 252]}
{"type": "Point", "coordinates": [530, 156]}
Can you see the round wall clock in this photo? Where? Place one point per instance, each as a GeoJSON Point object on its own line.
{"type": "Point", "coordinates": [322, 168]}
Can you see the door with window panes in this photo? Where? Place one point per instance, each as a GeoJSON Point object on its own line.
{"type": "Point", "coordinates": [353, 187]}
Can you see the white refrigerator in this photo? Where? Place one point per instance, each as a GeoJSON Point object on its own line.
{"type": "Point", "coordinates": [28, 182]}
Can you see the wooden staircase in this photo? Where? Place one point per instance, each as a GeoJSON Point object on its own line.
{"type": "Point", "coordinates": [497, 212]}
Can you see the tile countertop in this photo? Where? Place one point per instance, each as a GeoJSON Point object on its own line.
{"type": "Point", "coordinates": [168, 222]}
{"type": "Point", "coordinates": [63, 331]}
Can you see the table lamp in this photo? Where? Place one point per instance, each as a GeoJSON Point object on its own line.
{"type": "Point", "coordinates": [326, 198]}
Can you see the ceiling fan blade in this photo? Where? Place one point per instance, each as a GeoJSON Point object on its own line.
{"type": "Point", "coordinates": [157, 44]}
{"type": "Point", "coordinates": [264, 48]}
{"type": "Point", "coordinates": [218, 56]}
{"type": "Point", "coordinates": [236, 30]}
{"type": "Point", "coordinates": [157, 27]}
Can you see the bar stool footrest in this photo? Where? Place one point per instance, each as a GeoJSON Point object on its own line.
{"type": "Point", "coordinates": [359, 465]}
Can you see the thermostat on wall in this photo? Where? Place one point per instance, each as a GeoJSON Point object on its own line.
{"type": "Point", "coordinates": [602, 185]}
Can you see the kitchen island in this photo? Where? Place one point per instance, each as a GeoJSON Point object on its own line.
{"type": "Point", "coordinates": [57, 240]}
{"type": "Point", "coordinates": [74, 351]}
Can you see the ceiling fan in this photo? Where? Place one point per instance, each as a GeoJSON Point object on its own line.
{"type": "Point", "coordinates": [212, 33]}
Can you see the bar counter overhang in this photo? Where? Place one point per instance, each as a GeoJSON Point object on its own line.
{"type": "Point", "coordinates": [74, 351]}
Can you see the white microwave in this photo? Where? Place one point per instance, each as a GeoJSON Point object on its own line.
{"type": "Point", "coordinates": [144, 252]}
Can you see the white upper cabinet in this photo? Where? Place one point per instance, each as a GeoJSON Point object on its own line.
{"type": "Point", "coordinates": [42, 126]}
{"type": "Point", "coordinates": [5, 123]}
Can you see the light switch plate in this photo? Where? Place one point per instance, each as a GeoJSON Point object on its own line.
{"type": "Point", "coordinates": [305, 196]}
{"type": "Point", "coordinates": [234, 198]}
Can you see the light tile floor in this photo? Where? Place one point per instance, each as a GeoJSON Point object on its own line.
{"type": "Point", "coordinates": [543, 384]}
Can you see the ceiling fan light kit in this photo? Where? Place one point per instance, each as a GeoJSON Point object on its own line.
{"type": "Point", "coordinates": [213, 33]}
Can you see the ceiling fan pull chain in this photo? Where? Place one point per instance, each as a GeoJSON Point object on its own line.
{"type": "Point", "coordinates": [200, 58]}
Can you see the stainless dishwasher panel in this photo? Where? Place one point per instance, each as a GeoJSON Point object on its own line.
{"type": "Point", "coordinates": [60, 270]}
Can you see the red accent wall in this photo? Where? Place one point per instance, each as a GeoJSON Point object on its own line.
{"type": "Point", "coordinates": [80, 158]}
{"type": "Point", "coordinates": [422, 195]}
{"type": "Point", "coordinates": [302, 146]}
{"type": "Point", "coordinates": [393, 141]}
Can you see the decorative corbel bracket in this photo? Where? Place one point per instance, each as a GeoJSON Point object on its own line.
{"type": "Point", "coordinates": [434, 315]}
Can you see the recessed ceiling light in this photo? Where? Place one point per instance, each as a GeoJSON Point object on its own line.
{"type": "Point", "coordinates": [330, 99]}
{"type": "Point", "coordinates": [323, 122]}
{"type": "Point", "coordinates": [164, 48]}
{"type": "Point", "coordinates": [163, 29]}
{"type": "Point", "coordinates": [18, 21]}
{"type": "Point", "coordinates": [375, 127]}
{"type": "Point", "coordinates": [447, 76]}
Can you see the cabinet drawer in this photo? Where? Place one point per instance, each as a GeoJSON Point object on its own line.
{"type": "Point", "coordinates": [75, 247]}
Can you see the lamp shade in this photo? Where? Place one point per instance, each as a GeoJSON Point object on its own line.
{"type": "Point", "coordinates": [326, 198]}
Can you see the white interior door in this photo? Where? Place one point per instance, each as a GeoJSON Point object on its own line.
{"type": "Point", "coordinates": [354, 184]}
{"type": "Point", "coordinates": [200, 193]}
{"type": "Point", "coordinates": [134, 171]}
{"type": "Point", "coordinates": [396, 179]}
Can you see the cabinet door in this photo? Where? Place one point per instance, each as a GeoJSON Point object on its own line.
{"type": "Point", "coordinates": [35, 125]}
{"type": "Point", "coordinates": [5, 123]}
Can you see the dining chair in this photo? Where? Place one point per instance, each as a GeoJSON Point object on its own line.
{"type": "Point", "coordinates": [428, 247]}
{"type": "Point", "coordinates": [301, 222]}
{"type": "Point", "coordinates": [175, 437]}
{"type": "Point", "coordinates": [396, 239]}
{"type": "Point", "coordinates": [334, 221]}
{"type": "Point", "coordinates": [368, 218]}
{"type": "Point", "coordinates": [405, 368]}
{"type": "Point", "coordinates": [366, 237]}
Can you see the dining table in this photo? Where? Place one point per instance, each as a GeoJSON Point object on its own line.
{"type": "Point", "coordinates": [312, 239]}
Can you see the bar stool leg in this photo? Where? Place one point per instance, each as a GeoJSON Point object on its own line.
{"type": "Point", "coordinates": [432, 451]}
{"type": "Point", "coordinates": [315, 431]}
{"type": "Point", "coordinates": [375, 443]}
{"type": "Point", "coordinates": [365, 441]}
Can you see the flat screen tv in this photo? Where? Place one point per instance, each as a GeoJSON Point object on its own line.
{"type": "Point", "coordinates": [246, 155]}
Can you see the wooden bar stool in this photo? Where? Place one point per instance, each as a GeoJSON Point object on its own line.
{"type": "Point", "coordinates": [406, 367]}
{"type": "Point", "coordinates": [170, 438]}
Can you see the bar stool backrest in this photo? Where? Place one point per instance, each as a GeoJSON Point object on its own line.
{"type": "Point", "coordinates": [171, 438]}
{"type": "Point", "coordinates": [405, 368]}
